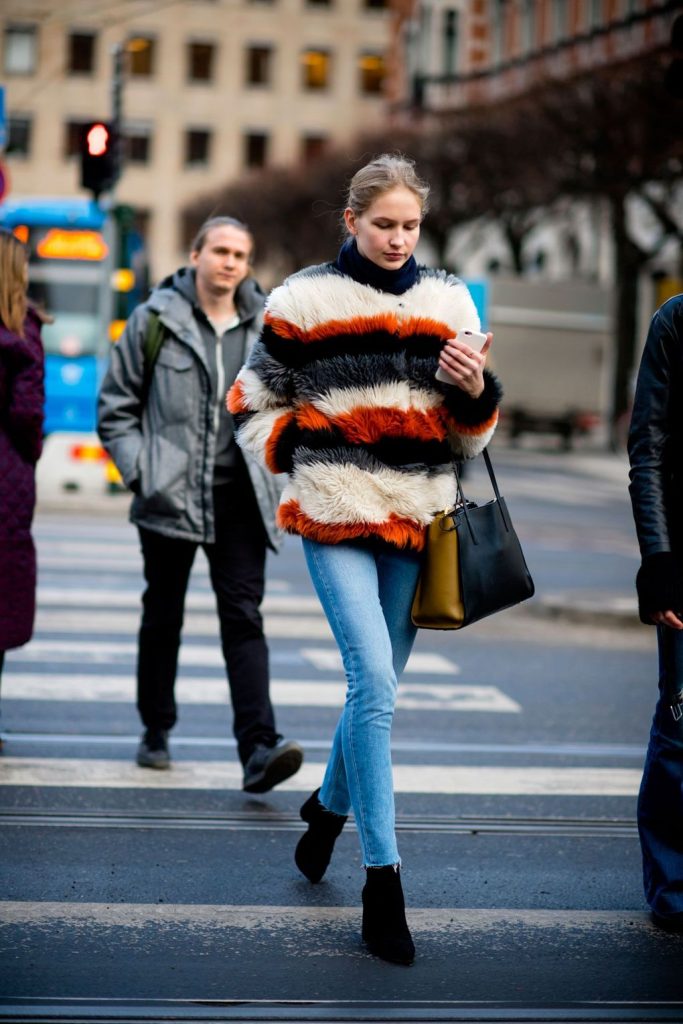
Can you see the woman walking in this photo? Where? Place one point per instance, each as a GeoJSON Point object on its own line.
{"type": "Point", "coordinates": [340, 393]}
{"type": "Point", "coordinates": [21, 431]}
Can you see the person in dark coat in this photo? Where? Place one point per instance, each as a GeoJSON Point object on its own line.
{"type": "Point", "coordinates": [656, 455]}
{"type": "Point", "coordinates": [21, 433]}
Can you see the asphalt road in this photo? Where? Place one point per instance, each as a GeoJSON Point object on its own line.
{"type": "Point", "coordinates": [518, 744]}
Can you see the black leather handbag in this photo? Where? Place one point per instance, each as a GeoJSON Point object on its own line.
{"type": "Point", "coordinates": [473, 564]}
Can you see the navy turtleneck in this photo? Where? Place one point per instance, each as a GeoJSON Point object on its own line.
{"type": "Point", "coordinates": [352, 263]}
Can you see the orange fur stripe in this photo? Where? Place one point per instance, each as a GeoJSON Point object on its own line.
{"type": "Point", "coordinates": [236, 402]}
{"type": "Point", "coordinates": [473, 430]}
{"type": "Point", "coordinates": [310, 418]}
{"type": "Point", "coordinates": [367, 425]}
{"type": "Point", "coordinates": [271, 444]}
{"type": "Point", "coordinates": [403, 533]}
{"type": "Point", "coordinates": [387, 322]}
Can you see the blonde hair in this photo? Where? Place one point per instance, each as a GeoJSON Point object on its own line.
{"type": "Point", "coordinates": [385, 172]}
{"type": "Point", "coordinates": [13, 302]}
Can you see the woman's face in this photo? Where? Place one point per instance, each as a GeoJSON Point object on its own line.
{"type": "Point", "coordinates": [387, 232]}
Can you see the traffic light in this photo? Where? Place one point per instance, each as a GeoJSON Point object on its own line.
{"type": "Point", "coordinates": [99, 157]}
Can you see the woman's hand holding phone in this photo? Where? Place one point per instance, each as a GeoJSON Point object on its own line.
{"type": "Point", "coordinates": [462, 361]}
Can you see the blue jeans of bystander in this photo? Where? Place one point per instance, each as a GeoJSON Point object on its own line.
{"type": "Point", "coordinates": [660, 803]}
{"type": "Point", "coordinates": [366, 589]}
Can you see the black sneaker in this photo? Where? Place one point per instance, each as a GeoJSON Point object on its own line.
{"type": "Point", "coordinates": [268, 766]}
{"type": "Point", "coordinates": [153, 750]}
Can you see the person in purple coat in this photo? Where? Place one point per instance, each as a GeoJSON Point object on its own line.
{"type": "Point", "coordinates": [21, 437]}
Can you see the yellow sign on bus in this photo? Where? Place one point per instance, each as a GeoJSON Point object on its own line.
{"type": "Point", "coordinates": [61, 244]}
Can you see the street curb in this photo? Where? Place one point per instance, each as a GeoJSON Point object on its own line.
{"type": "Point", "coordinates": [586, 614]}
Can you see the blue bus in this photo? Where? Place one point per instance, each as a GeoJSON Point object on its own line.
{"type": "Point", "coordinates": [70, 243]}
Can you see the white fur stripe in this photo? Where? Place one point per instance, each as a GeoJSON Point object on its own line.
{"type": "Point", "coordinates": [469, 445]}
{"type": "Point", "coordinates": [307, 300]}
{"type": "Point", "coordinates": [394, 395]}
{"type": "Point", "coordinates": [336, 494]}
{"type": "Point", "coordinates": [256, 395]}
{"type": "Point", "coordinates": [254, 433]}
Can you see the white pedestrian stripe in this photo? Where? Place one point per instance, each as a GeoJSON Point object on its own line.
{"type": "Point", "coordinates": [304, 693]}
{"type": "Point", "coordinates": [192, 655]}
{"type": "Point", "coordinates": [508, 780]}
{"type": "Point", "coordinates": [294, 624]}
{"type": "Point", "coordinates": [276, 600]}
{"type": "Point", "coordinates": [328, 659]}
{"type": "Point", "coordinates": [312, 924]}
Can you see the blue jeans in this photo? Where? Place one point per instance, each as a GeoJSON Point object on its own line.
{"type": "Point", "coordinates": [660, 803]}
{"type": "Point", "coordinates": [366, 589]}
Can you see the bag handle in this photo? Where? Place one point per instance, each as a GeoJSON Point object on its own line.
{"type": "Point", "coordinates": [462, 501]}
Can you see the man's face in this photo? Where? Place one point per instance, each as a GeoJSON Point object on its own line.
{"type": "Point", "coordinates": [222, 263]}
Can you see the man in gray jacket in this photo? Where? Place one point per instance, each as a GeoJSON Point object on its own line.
{"type": "Point", "coordinates": [163, 420]}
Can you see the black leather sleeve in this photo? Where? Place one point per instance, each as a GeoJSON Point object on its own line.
{"type": "Point", "coordinates": [651, 431]}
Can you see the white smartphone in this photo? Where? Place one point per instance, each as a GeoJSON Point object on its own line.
{"type": "Point", "coordinates": [475, 339]}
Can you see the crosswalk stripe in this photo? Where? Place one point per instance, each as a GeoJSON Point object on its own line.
{"type": "Point", "coordinates": [509, 780]}
{"type": "Point", "coordinates": [303, 693]}
{"type": "Point", "coordinates": [196, 600]}
{"type": "Point", "coordinates": [251, 917]}
{"type": "Point", "coordinates": [85, 652]}
{"type": "Point", "coordinates": [328, 659]}
{"type": "Point", "coordinates": [196, 623]}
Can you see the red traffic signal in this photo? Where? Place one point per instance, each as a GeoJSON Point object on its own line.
{"type": "Point", "coordinates": [99, 157]}
{"type": "Point", "coordinates": [98, 139]}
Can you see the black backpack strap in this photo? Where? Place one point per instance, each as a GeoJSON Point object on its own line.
{"type": "Point", "coordinates": [151, 346]}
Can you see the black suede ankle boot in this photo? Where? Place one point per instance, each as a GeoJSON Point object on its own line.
{"type": "Point", "coordinates": [385, 931]}
{"type": "Point", "coordinates": [314, 849]}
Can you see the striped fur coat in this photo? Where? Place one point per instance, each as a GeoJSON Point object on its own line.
{"type": "Point", "coordinates": [339, 392]}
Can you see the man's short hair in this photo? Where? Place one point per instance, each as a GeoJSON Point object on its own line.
{"type": "Point", "coordinates": [220, 222]}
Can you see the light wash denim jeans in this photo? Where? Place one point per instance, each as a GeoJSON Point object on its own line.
{"type": "Point", "coordinates": [660, 803]}
{"type": "Point", "coordinates": [366, 589]}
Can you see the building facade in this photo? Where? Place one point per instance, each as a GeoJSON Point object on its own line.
{"type": "Point", "coordinates": [476, 52]}
{"type": "Point", "coordinates": [210, 89]}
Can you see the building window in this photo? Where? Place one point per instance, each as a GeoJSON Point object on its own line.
{"type": "Point", "coordinates": [316, 66]}
{"type": "Point", "coordinates": [528, 27]}
{"type": "Point", "coordinates": [259, 65]}
{"type": "Point", "coordinates": [141, 54]}
{"type": "Point", "coordinates": [313, 147]}
{"type": "Point", "coordinates": [372, 73]}
{"type": "Point", "coordinates": [255, 149]}
{"type": "Point", "coordinates": [81, 53]}
{"type": "Point", "coordinates": [597, 13]}
{"type": "Point", "coordinates": [197, 147]}
{"type": "Point", "coordinates": [138, 143]}
{"type": "Point", "coordinates": [374, 5]}
{"type": "Point", "coordinates": [20, 52]}
{"type": "Point", "coordinates": [19, 136]}
{"type": "Point", "coordinates": [73, 137]}
{"type": "Point", "coordinates": [560, 20]}
{"type": "Point", "coordinates": [450, 42]}
{"type": "Point", "coordinates": [200, 62]}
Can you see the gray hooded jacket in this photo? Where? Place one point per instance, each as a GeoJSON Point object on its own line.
{"type": "Point", "coordinates": [164, 444]}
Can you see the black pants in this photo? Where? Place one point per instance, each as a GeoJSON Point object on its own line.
{"type": "Point", "coordinates": [237, 569]}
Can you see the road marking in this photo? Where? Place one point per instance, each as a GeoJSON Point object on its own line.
{"type": "Point", "coordinates": [587, 751]}
{"type": "Point", "coordinates": [196, 600]}
{"type": "Point", "coordinates": [104, 652]}
{"type": "Point", "coordinates": [303, 693]}
{"type": "Point", "coordinates": [295, 625]}
{"type": "Point", "coordinates": [251, 918]}
{"type": "Point", "coordinates": [328, 659]}
{"type": "Point", "coordinates": [509, 780]}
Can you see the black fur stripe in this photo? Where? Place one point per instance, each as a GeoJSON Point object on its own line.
{"type": "Point", "coordinates": [295, 354]}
